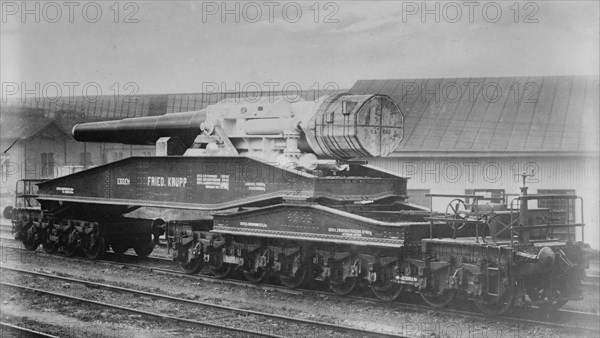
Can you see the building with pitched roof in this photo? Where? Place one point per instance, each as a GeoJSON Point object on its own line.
{"type": "Point", "coordinates": [35, 146]}
{"type": "Point", "coordinates": [481, 133]}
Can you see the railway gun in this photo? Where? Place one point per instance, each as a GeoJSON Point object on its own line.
{"type": "Point", "coordinates": [282, 188]}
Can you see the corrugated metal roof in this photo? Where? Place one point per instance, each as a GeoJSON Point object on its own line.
{"type": "Point", "coordinates": [518, 114]}
{"type": "Point", "coordinates": [118, 107]}
{"type": "Point", "coordinates": [508, 114]}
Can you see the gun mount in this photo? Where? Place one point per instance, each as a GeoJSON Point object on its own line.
{"type": "Point", "coordinates": [336, 127]}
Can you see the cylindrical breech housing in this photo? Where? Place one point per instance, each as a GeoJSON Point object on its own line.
{"type": "Point", "coordinates": [349, 126]}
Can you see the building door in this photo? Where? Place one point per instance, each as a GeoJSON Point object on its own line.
{"type": "Point", "coordinates": [47, 161]}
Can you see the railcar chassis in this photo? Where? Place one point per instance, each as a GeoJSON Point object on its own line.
{"type": "Point", "coordinates": [523, 261]}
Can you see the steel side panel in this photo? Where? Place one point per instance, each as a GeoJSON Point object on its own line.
{"type": "Point", "coordinates": [310, 237]}
{"type": "Point", "coordinates": [311, 223]}
{"type": "Point", "coordinates": [207, 183]}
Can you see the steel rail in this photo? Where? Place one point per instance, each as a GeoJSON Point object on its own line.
{"type": "Point", "coordinates": [6, 328]}
{"type": "Point", "coordinates": [140, 312]}
{"type": "Point", "coordinates": [330, 326]}
{"type": "Point", "coordinates": [506, 318]}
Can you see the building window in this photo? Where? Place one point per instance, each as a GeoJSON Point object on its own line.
{"type": "Point", "coordinates": [85, 159]}
{"type": "Point", "coordinates": [561, 208]}
{"type": "Point", "coordinates": [417, 196]}
{"type": "Point", "coordinates": [5, 170]}
{"type": "Point", "coordinates": [497, 196]}
{"type": "Point", "coordinates": [47, 164]}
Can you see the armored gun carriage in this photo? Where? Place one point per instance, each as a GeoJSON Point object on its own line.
{"type": "Point", "coordinates": [285, 189]}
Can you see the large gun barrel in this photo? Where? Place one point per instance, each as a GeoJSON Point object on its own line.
{"type": "Point", "coordinates": [143, 130]}
{"type": "Point", "coordinates": [340, 126]}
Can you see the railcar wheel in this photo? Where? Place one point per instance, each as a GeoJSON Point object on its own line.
{"type": "Point", "coordinates": [92, 243]}
{"type": "Point", "coordinates": [222, 271]}
{"type": "Point", "coordinates": [119, 248]}
{"type": "Point", "coordinates": [437, 300]}
{"type": "Point", "coordinates": [340, 285]}
{"type": "Point", "coordinates": [547, 297]}
{"type": "Point", "coordinates": [257, 276]}
{"type": "Point", "coordinates": [94, 247]}
{"type": "Point", "coordinates": [294, 266]}
{"type": "Point", "coordinates": [258, 273]}
{"type": "Point", "coordinates": [143, 245]}
{"type": "Point", "coordinates": [496, 305]}
{"type": "Point", "coordinates": [70, 247]}
{"type": "Point", "coordinates": [385, 287]}
{"type": "Point", "coordinates": [192, 267]}
{"type": "Point", "coordinates": [69, 251]}
{"type": "Point", "coordinates": [386, 290]}
{"type": "Point", "coordinates": [31, 242]}
{"type": "Point", "coordinates": [218, 268]}
{"type": "Point", "coordinates": [50, 247]}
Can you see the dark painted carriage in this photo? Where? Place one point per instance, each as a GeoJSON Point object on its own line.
{"type": "Point", "coordinates": [279, 188]}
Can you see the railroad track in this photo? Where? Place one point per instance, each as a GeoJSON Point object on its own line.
{"type": "Point", "coordinates": [291, 324]}
{"type": "Point", "coordinates": [566, 319]}
{"type": "Point", "coordinates": [202, 324]}
{"type": "Point", "coordinates": [10, 330]}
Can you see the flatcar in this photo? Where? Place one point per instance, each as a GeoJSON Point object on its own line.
{"type": "Point", "coordinates": [281, 188]}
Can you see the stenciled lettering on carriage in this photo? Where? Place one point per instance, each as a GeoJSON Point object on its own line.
{"type": "Point", "coordinates": [160, 181]}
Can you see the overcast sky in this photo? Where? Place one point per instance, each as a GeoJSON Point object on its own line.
{"type": "Point", "coordinates": [179, 47]}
